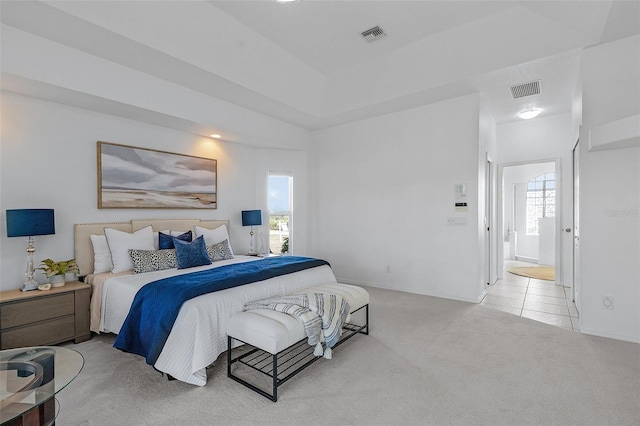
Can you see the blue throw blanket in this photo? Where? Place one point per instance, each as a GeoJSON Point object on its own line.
{"type": "Point", "coordinates": [156, 305]}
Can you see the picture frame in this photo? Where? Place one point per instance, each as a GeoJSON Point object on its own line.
{"type": "Point", "coordinates": [142, 178]}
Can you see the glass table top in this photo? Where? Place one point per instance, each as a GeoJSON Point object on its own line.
{"type": "Point", "coordinates": [32, 376]}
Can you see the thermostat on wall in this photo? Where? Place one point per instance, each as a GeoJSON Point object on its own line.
{"type": "Point", "coordinates": [461, 198]}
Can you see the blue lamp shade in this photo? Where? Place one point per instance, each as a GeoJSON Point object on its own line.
{"type": "Point", "coordinates": [251, 217]}
{"type": "Point", "coordinates": [30, 222]}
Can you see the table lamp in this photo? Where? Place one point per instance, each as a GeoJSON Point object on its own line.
{"type": "Point", "coordinates": [251, 218]}
{"type": "Point", "coordinates": [28, 223]}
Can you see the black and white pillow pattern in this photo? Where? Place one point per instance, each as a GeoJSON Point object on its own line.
{"type": "Point", "coordinates": [219, 251]}
{"type": "Point", "coordinates": [152, 260]}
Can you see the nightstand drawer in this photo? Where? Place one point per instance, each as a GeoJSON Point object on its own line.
{"type": "Point", "coordinates": [44, 333]}
{"type": "Point", "coordinates": [39, 309]}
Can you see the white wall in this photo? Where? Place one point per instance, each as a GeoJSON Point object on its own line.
{"type": "Point", "coordinates": [46, 69]}
{"type": "Point", "coordinates": [610, 194]}
{"type": "Point", "coordinates": [49, 161]}
{"type": "Point", "coordinates": [546, 138]}
{"type": "Point", "coordinates": [547, 241]}
{"type": "Point", "coordinates": [382, 190]}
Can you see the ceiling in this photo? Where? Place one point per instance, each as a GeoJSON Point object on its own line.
{"type": "Point", "coordinates": [305, 63]}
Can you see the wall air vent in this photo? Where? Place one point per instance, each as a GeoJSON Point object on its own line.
{"type": "Point", "coordinates": [525, 89]}
{"type": "Point", "coordinates": [373, 34]}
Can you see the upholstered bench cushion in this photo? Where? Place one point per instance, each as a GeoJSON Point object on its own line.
{"type": "Point", "coordinates": [274, 331]}
{"type": "Point", "coordinates": [268, 330]}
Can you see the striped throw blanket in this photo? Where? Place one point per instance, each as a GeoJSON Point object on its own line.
{"type": "Point", "coordinates": [322, 315]}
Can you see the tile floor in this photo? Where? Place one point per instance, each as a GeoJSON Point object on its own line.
{"type": "Point", "coordinates": [538, 300]}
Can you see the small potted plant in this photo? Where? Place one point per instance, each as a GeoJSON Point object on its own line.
{"type": "Point", "coordinates": [55, 271]}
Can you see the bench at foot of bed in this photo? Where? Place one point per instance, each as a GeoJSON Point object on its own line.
{"type": "Point", "coordinates": [276, 343]}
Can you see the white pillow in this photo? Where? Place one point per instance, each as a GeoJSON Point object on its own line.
{"type": "Point", "coordinates": [213, 236]}
{"type": "Point", "coordinates": [101, 254]}
{"type": "Point", "coordinates": [120, 242]}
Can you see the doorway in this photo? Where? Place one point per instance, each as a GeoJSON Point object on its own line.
{"type": "Point", "coordinates": [534, 298]}
{"type": "Point", "coordinates": [529, 217]}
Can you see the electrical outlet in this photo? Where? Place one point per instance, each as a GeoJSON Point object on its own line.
{"type": "Point", "coordinates": [607, 302]}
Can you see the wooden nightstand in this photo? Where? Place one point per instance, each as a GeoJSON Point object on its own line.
{"type": "Point", "coordinates": [37, 318]}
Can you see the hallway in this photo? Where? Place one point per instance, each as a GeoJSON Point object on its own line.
{"type": "Point", "coordinates": [538, 300]}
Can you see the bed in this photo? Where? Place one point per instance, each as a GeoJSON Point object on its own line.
{"type": "Point", "coordinates": [198, 335]}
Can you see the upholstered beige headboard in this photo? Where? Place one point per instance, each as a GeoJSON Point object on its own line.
{"type": "Point", "coordinates": [83, 232]}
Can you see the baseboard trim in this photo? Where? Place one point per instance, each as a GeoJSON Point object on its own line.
{"type": "Point", "coordinates": [527, 259]}
{"type": "Point", "coordinates": [407, 290]}
{"type": "Point", "coordinates": [597, 333]}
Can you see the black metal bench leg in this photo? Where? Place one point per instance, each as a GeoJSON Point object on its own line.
{"type": "Point", "coordinates": [228, 356]}
{"type": "Point", "coordinates": [367, 314]}
{"type": "Point", "coordinates": [274, 398]}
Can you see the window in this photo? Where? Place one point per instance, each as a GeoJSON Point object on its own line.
{"type": "Point", "coordinates": [280, 201]}
{"type": "Point", "coordinates": [541, 200]}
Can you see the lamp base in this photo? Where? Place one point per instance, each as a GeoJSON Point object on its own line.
{"type": "Point", "coordinates": [30, 285]}
{"type": "Point", "coordinates": [252, 251]}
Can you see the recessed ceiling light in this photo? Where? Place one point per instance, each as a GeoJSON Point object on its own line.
{"type": "Point", "coordinates": [216, 136]}
{"type": "Point", "coordinates": [529, 114]}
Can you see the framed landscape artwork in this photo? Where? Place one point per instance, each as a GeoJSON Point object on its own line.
{"type": "Point", "coordinates": [140, 178]}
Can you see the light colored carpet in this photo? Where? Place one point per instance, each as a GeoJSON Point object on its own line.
{"type": "Point", "coordinates": [428, 361]}
{"type": "Point", "coordinates": [547, 273]}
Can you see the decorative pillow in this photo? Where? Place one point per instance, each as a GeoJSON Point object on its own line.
{"type": "Point", "coordinates": [156, 235]}
{"type": "Point", "coordinates": [101, 254]}
{"type": "Point", "coordinates": [152, 260]}
{"type": "Point", "coordinates": [143, 260]}
{"type": "Point", "coordinates": [219, 251]}
{"type": "Point", "coordinates": [165, 241]}
{"type": "Point", "coordinates": [214, 236]}
{"type": "Point", "coordinates": [120, 242]}
{"type": "Point", "coordinates": [189, 255]}
{"type": "Point", "coordinates": [167, 259]}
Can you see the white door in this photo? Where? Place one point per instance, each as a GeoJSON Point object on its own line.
{"type": "Point", "coordinates": [487, 222]}
{"type": "Point", "coordinates": [576, 225]}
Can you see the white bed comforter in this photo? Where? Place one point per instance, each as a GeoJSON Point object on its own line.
{"type": "Point", "coordinates": [199, 334]}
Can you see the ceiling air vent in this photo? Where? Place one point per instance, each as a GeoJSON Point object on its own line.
{"type": "Point", "coordinates": [526, 89]}
{"type": "Point", "coordinates": [373, 34]}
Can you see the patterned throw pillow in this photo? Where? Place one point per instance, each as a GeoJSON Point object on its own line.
{"type": "Point", "coordinates": [167, 259]}
{"type": "Point", "coordinates": [220, 251]}
{"type": "Point", "coordinates": [152, 260]}
{"type": "Point", "coordinates": [189, 255]}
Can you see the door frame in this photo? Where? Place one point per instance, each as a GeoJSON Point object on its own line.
{"type": "Point", "coordinates": [490, 227]}
{"type": "Point", "coordinates": [559, 230]}
{"type": "Point", "coordinates": [575, 223]}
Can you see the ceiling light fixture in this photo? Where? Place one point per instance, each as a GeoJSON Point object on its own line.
{"type": "Point", "coordinates": [216, 136]}
{"type": "Point", "coordinates": [529, 114]}
{"type": "Point", "coordinates": [286, 1]}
